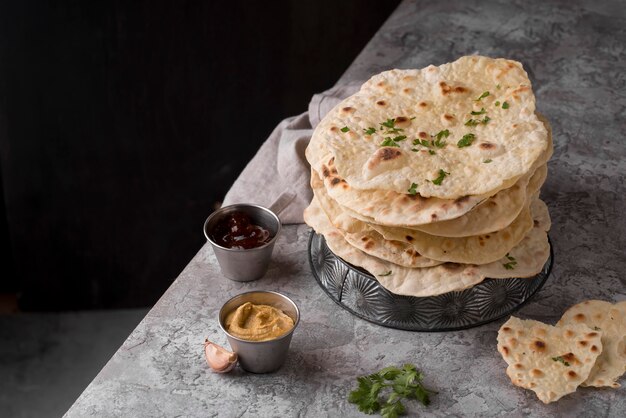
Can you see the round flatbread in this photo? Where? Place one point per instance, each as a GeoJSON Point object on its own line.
{"type": "Point", "coordinates": [391, 208]}
{"type": "Point", "coordinates": [550, 361]}
{"type": "Point", "coordinates": [610, 320]}
{"type": "Point", "coordinates": [436, 128]}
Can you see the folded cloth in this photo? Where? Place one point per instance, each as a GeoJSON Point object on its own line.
{"type": "Point", "coordinates": [278, 175]}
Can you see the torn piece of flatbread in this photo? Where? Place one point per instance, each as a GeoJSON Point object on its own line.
{"type": "Point", "coordinates": [550, 361]}
{"type": "Point", "coordinates": [610, 319]}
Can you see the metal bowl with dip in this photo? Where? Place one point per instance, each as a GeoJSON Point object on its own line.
{"type": "Point", "coordinates": [243, 237]}
{"type": "Point", "coordinates": [272, 328]}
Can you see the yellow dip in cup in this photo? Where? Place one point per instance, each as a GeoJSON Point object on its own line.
{"type": "Point", "coordinates": [258, 322]}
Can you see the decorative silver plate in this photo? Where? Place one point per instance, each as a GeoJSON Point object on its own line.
{"type": "Point", "coordinates": [359, 292]}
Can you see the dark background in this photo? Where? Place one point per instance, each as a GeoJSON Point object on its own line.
{"type": "Point", "coordinates": [123, 124]}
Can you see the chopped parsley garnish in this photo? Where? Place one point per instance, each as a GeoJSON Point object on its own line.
{"type": "Point", "coordinates": [511, 264]}
{"type": "Point", "coordinates": [488, 161]}
{"type": "Point", "coordinates": [404, 383]}
{"type": "Point", "coordinates": [498, 86]}
{"type": "Point", "coordinates": [389, 123]}
{"type": "Point", "coordinates": [390, 126]}
{"type": "Point", "coordinates": [497, 103]}
{"type": "Point", "coordinates": [442, 175]}
{"type": "Point", "coordinates": [505, 105]}
{"type": "Point", "coordinates": [482, 96]}
{"type": "Point", "coordinates": [466, 141]}
{"type": "Point", "coordinates": [399, 138]}
{"type": "Point", "coordinates": [561, 360]}
{"type": "Point", "coordinates": [415, 150]}
{"type": "Point", "coordinates": [431, 152]}
{"type": "Point", "coordinates": [388, 142]}
{"type": "Point", "coordinates": [476, 122]}
{"type": "Point", "coordinates": [442, 134]}
{"type": "Point", "coordinates": [345, 129]}
{"type": "Point", "coordinates": [369, 131]}
{"type": "Point", "coordinates": [437, 142]}
{"type": "Point", "coordinates": [413, 189]}
{"type": "Point", "coordinates": [480, 112]}
{"type": "Point", "coordinates": [422, 142]}
{"type": "Point", "coordinates": [385, 274]}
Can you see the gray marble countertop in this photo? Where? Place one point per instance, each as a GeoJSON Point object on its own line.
{"type": "Point", "coordinates": [575, 53]}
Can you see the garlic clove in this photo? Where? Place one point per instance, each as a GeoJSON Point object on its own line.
{"type": "Point", "coordinates": [219, 359]}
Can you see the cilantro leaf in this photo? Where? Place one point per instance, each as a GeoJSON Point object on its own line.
{"type": "Point", "coordinates": [480, 112]}
{"type": "Point", "coordinates": [497, 103]}
{"type": "Point", "coordinates": [390, 127]}
{"type": "Point", "coordinates": [505, 105]}
{"type": "Point", "coordinates": [404, 383]}
{"type": "Point", "coordinates": [413, 189]}
{"type": "Point", "coordinates": [442, 134]}
{"type": "Point", "coordinates": [366, 395]}
{"type": "Point", "coordinates": [482, 96]}
{"type": "Point", "coordinates": [345, 129]}
{"type": "Point", "coordinates": [476, 122]}
{"type": "Point", "coordinates": [389, 123]}
{"type": "Point", "coordinates": [431, 152]}
{"type": "Point", "coordinates": [560, 359]}
{"type": "Point", "coordinates": [466, 141]}
{"type": "Point", "coordinates": [438, 141]}
{"type": "Point", "coordinates": [511, 264]}
{"type": "Point", "coordinates": [392, 410]}
{"type": "Point", "coordinates": [422, 142]}
{"type": "Point", "coordinates": [442, 175]}
{"type": "Point", "coordinates": [369, 131]}
{"type": "Point", "coordinates": [488, 161]}
{"type": "Point", "coordinates": [388, 142]}
{"type": "Point", "coordinates": [399, 138]}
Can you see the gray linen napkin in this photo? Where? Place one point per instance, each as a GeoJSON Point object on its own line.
{"type": "Point", "coordinates": [278, 175]}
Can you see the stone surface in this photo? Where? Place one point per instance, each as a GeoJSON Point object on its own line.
{"type": "Point", "coordinates": [574, 52]}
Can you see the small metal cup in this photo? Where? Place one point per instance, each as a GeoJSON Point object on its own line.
{"type": "Point", "coordinates": [244, 265]}
{"type": "Point", "coordinates": [261, 356]}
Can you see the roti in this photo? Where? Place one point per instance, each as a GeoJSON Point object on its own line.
{"type": "Point", "coordinates": [610, 320]}
{"type": "Point", "coordinates": [550, 361]}
{"type": "Point", "coordinates": [439, 128]}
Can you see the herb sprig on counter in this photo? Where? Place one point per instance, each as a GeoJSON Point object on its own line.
{"type": "Point", "coordinates": [405, 383]}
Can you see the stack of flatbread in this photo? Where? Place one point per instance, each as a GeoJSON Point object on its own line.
{"type": "Point", "coordinates": [429, 179]}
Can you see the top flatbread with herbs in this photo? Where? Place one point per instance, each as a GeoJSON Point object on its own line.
{"type": "Point", "coordinates": [463, 128]}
